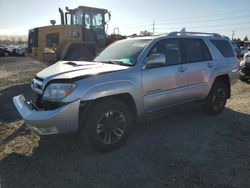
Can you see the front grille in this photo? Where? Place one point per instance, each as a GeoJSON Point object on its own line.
{"type": "Point", "coordinates": [39, 79]}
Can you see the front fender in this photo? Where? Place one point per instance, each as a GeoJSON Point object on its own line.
{"type": "Point", "coordinates": [115, 88]}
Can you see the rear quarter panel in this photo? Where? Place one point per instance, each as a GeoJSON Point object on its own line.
{"type": "Point", "coordinates": [222, 66]}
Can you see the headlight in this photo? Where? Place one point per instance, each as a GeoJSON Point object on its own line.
{"type": "Point", "coordinates": [242, 63]}
{"type": "Point", "coordinates": [58, 91]}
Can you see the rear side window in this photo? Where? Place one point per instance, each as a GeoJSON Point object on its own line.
{"type": "Point", "coordinates": [195, 50]}
{"type": "Point", "coordinates": [224, 47]}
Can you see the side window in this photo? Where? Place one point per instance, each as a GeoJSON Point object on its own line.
{"type": "Point", "coordinates": [224, 47]}
{"type": "Point", "coordinates": [195, 50]}
{"type": "Point", "coordinates": [171, 49]}
{"type": "Point", "coordinates": [87, 21]}
{"type": "Point", "coordinates": [52, 40]}
{"type": "Point", "coordinates": [206, 53]}
{"type": "Point", "coordinates": [97, 21]}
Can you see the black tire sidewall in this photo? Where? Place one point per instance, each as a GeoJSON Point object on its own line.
{"type": "Point", "coordinates": [6, 54]}
{"type": "Point", "coordinates": [94, 115]}
{"type": "Point", "coordinates": [243, 79]}
{"type": "Point", "coordinates": [209, 101]}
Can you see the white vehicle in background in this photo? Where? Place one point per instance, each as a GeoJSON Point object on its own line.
{"type": "Point", "coordinates": [243, 50]}
{"type": "Point", "coordinates": [20, 51]}
{"type": "Point", "coordinates": [247, 54]}
{"type": "Point", "coordinates": [245, 67]}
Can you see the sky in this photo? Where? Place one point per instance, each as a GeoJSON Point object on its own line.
{"type": "Point", "coordinates": [133, 16]}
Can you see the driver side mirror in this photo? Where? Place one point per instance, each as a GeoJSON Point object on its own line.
{"type": "Point", "coordinates": [155, 60]}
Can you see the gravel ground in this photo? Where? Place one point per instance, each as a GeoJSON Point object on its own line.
{"type": "Point", "coordinates": [183, 149]}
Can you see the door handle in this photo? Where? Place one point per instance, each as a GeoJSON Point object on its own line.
{"type": "Point", "coordinates": [210, 65]}
{"type": "Point", "coordinates": [181, 69]}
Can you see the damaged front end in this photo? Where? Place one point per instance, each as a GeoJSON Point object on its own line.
{"type": "Point", "coordinates": [46, 116]}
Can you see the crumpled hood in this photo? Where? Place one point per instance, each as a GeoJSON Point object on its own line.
{"type": "Point", "coordinates": [73, 69]}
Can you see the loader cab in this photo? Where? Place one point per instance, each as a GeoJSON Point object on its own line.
{"type": "Point", "coordinates": [92, 21]}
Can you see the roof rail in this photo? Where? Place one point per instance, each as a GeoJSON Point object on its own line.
{"type": "Point", "coordinates": [176, 33]}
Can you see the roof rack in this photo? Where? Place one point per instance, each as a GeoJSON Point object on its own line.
{"type": "Point", "coordinates": [176, 33]}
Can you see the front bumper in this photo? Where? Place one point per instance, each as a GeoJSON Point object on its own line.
{"type": "Point", "coordinates": [58, 121]}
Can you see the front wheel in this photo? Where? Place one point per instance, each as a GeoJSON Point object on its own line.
{"type": "Point", "coordinates": [217, 98]}
{"type": "Point", "coordinates": [107, 126]}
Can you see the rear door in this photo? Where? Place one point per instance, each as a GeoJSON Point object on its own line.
{"type": "Point", "coordinates": [163, 86]}
{"type": "Point", "coordinates": [199, 66]}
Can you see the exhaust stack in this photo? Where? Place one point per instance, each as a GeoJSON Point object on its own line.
{"type": "Point", "coordinates": [62, 16]}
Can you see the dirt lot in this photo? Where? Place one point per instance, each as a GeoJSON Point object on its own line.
{"type": "Point", "coordinates": [184, 149]}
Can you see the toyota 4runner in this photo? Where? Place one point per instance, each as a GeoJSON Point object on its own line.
{"type": "Point", "coordinates": [128, 80]}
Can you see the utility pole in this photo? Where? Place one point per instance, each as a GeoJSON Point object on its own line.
{"type": "Point", "coordinates": [154, 28]}
{"type": "Point", "coordinates": [233, 35]}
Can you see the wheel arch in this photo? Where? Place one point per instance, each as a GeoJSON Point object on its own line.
{"type": "Point", "coordinates": [122, 90]}
{"type": "Point", "coordinates": [126, 98]}
{"type": "Point", "coordinates": [225, 79]}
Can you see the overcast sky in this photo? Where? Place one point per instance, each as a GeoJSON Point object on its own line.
{"type": "Point", "coordinates": [133, 16]}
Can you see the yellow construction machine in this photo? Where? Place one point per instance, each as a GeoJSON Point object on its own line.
{"type": "Point", "coordinates": [81, 34]}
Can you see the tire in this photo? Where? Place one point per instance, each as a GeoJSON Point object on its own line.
{"type": "Point", "coordinates": [6, 54]}
{"type": "Point", "coordinates": [243, 79]}
{"type": "Point", "coordinates": [217, 98]}
{"type": "Point", "coordinates": [79, 54]}
{"type": "Point", "coordinates": [107, 125]}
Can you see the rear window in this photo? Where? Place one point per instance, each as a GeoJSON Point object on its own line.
{"type": "Point", "coordinates": [224, 47]}
{"type": "Point", "coordinates": [195, 50]}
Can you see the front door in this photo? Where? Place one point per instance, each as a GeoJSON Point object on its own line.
{"type": "Point", "coordinates": [163, 86]}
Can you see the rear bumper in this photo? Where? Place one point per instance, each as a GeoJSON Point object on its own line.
{"type": "Point", "coordinates": [244, 76]}
{"type": "Point", "coordinates": [245, 72]}
{"type": "Point", "coordinates": [58, 121]}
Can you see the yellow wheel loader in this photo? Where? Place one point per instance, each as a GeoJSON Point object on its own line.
{"type": "Point", "coordinates": [80, 36]}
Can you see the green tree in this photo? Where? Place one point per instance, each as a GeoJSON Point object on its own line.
{"type": "Point", "coordinates": [146, 33]}
{"type": "Point", "coordinates": [245, 39]}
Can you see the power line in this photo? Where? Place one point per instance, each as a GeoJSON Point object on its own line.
{"type": "Point", "coordinates": [194, 22]}
{"type": "Point", "coordinates": [206, 20]}
{"type": "Point", "coordinates": [212, 15]}
{"type": "Point", "coordinates": [238, 29]}
{"type": "Point", "coordinates": [147, 23]}
{"type": "Point", "coordinates": [209, 26]}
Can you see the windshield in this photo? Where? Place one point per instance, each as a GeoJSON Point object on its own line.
{"type": "Point", "coordinates": [125, 52]}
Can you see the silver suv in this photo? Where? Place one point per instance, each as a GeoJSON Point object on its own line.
{"type": "Point", "coordinates": [128, 80]}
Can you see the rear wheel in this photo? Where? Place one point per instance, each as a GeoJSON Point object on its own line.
{"type": "Point", "coordinates": [80, 54]}
{"type": "Point", "coordinates": [217, 98]}
{"type": "Point", "coordinates": [107, 125]}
